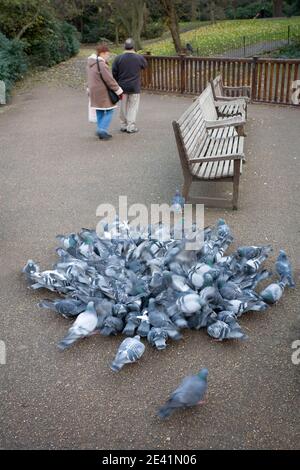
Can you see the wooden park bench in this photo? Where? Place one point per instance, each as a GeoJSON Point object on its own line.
{"type": "Point", "coordinates": [208, 152]}
{"type": "Point", "coordinates": [230, 95]}
{"type": "Point", "coordinates": [214, 111]}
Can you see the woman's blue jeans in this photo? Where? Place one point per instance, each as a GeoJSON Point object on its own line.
{"type": "Point", "coordinates": [104, 118]}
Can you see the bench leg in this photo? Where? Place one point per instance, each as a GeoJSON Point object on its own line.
{"type": "Point", "coordinates": [236, 181]}
{"type": "Point", "coordinates": [186, 187]}
{"type": "Point", "coordinates": [241, 131]}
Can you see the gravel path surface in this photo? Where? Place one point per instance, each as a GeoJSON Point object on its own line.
{"type": "Point", "coordinates": [54, 174]}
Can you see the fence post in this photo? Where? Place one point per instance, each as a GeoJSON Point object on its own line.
{"type": "Point", "coordinates": [182, 73]}
{"type": "Point", "coordinates": [254, 78]}
{"type": "Point", "coordinates": [148, 74]}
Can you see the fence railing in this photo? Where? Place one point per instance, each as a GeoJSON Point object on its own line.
{"type": "Point", "coordinates": [252, 44]}
{"type": "Point", "coordinates": [271, 80]}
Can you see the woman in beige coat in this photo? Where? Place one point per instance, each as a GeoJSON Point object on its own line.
{"type": "Point", "coordinates": [98, 94]}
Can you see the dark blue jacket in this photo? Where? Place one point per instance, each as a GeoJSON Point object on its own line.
{"type": "Point", "coordinates": [126, 71]}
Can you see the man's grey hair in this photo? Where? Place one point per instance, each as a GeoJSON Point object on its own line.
{"type": "Point", "coordinates": [129, 44]}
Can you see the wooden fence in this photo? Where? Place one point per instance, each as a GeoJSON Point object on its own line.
{"type": "Point", "coordinates": [271, 80]}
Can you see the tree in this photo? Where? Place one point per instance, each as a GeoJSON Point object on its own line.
{"type": "Point", "coordinates": [130, 15]}
{"type": "Point", "coordinates": [169, 7]}
{"type": "Point", "coordinates": [17, 16]}
{"type": "Point", "coordinates": [194, 10]}
{"type": "Point", "coordinates": [277, 7]}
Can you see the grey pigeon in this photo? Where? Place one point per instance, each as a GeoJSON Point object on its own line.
{"type": "Point", "coordinates": [157, 337]}
{"type": "Point", "coordinates": [190, 392]}
{"type": "Point", "coordinates": [221, 330]}
{"type": "Point", "coordinates": [130, 350]}
{"type": "Point", "coordinates": [284, 268]}
{"type": "Point", "coordinates": [68, 308]}
{"type": "Point", "coordinates": [83, 326]}
{"type": "Point", "coordinates": [273, 292]}
{"type": "Point", "coordinates": [250, 252]}
{"type": "Point", "coordinates": [30, 268]}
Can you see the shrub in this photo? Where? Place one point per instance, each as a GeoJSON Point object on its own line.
{"type": "Point", "coordinates": [153, 30]}
{"type": "Point", "coordinates": [13, 61]}
{"type": "Point", "coordinates": [55, 42]}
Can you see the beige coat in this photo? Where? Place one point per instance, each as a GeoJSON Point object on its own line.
{"type": "Point", "coordinates": [98, 93]}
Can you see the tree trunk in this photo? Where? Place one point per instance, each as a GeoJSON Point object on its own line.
{"type": "Point", "coordinates": [172, 22]}
{"type": "Point", "coordinates": [194, 10]}
{"type": "Point", "coordinates": [138, 22]}
{"type": "Point", "coordinates": [117, 41]}
{"type": "Point", "coordinates": [212, 11]}
{"type": "Point", "coordinates": [277, 8]}
{"type": "Point", "coordinates": [28, 25]}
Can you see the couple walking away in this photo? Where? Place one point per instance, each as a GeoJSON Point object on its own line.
{"type": "Point", "coordinates": [124, 81]}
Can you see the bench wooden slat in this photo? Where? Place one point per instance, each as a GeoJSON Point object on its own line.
{"type": "Point", "coordinates": [209, 144]}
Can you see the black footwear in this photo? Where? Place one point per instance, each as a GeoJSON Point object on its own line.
{"type": "Point", "coordinates": [105, 136]}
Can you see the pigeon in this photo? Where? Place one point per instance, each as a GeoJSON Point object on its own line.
{"type": "Point", "coordinates": [83, 326]}
{"type": "Point", "coordinates": [221, 330]}
{"type": "Point", "coordinates": [190, 392]}
{"type": "Point", "coordinates": [189, 303]}
{"type": "Point", "coordinates": [177, 202]}
{"type": "Point", "coordinates": [30, 268]}
{"type": "Point", "coordinates": [249, 252]}
{"type": "Point", "coordinates": [284, 268]}
{"type": "Point", "coordinates": [144, 326]}
{"type": "Point", "coordinates": [223, 229]}
{"type": "Point", "coordinates": [68, 308]}
{"type": "Point", "coordinates": [130, 350]}
{"type": "Point", "coordinates": [157, 337]}
{"type": "Point", "coordinates": [145, 281]}
{"type": "Point", "coordinates": [239, 306]}
{"type": "Point", "coordinates": [273, 292]}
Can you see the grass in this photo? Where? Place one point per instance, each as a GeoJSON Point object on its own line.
{"type": "Point", "coordinates": [225, 35]}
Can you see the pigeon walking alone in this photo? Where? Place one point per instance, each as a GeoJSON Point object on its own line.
{"type": "Point", "coordinates": [284, 268]}
{"type": "Point", "coordinates": [190, 392]}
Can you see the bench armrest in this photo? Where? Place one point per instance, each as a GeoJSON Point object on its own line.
{"type": "Point", "coordinates": [234, 121]}
{"type": "Point", "coordinates": [234, 100]}
{"type": "Point", "coordinates": [217, 158]}
{"type": "Point", "coordinates": [229, 99]}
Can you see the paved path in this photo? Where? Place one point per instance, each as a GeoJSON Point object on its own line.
{"type": "Point", "coordinates": [54, 173]}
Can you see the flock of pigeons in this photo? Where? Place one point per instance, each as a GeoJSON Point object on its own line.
{"type": "Point", "coordinates": [149, 285]}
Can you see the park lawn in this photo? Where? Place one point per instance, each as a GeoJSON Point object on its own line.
{"type": "Point", "coordinates": [225, 35]}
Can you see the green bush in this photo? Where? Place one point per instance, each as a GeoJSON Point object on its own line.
{"type": "Point", "coordinates": [153, 30]}
{"type": "Point", "coordinates": [54, 42]}
{"type": "Point", "coordinates": [93, 30]}
{"type": "Point", "coordinates": [13, 61]}
{"type": "Point", "coordinates": [249, 10]}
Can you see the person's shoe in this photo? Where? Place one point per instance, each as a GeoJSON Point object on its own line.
{"type": "Point", "coordinates": [132, 131]}
{"type": "Point", "coordinates": [123, 129]}
{"type": "Point", "coordinates": [104, 136]}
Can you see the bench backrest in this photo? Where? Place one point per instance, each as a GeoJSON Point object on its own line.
{"type": "Point", "coordinates": [190, 132]}
{"type": "Point", "coordinates": [217, 87]}
{"type": "Point", "coordinates": [207, 103]}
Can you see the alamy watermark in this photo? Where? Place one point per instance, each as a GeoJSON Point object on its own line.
{"type": "Point", "coordinates": [2, 92]}
{"type": "Point", "coordinates": [2, 353]}
{"type": "Point", "coordinates": [158, 222]}
{"type": "Point", "coordinates": [296, 353]}
{"type": "Point", "coordinates": [295, 97]}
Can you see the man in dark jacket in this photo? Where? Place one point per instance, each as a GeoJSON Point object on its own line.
{"type": "Point", "coordinates": [126, 70]}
